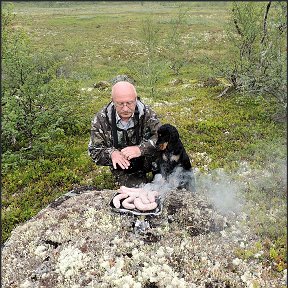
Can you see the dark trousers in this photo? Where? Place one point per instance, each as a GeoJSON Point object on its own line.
{"type": "Point", "coordinates": [137, 172]}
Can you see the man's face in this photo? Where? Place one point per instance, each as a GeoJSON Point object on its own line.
{"type": "Point", "coordinates": [124, 99]}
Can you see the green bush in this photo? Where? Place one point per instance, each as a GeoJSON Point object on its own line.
{"type": "Point", "coordinates": [257, 35]}
{"type": "Point", "coordinates": [37, 103]}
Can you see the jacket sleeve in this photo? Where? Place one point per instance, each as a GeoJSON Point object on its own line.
{"type": "Point", "coordinates": [100, 145]}
{"type": "Point", "coordinates": [151, 125]}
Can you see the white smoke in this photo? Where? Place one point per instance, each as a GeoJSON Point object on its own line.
{"type": "Point", "coordinates": [222, 190]}
{"type": "Point", "coordinates": [180, 178]}
{"type": "Point", "coordinates": [227, 191]}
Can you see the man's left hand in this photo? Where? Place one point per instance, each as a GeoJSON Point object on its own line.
{"type": "Point", "coordinates": [131, 152]}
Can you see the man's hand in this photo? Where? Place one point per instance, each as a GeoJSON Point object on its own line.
{"type": "Point", "coordinates": [118, 158]}
{"type": "Point", "coordinates": [131, 152]}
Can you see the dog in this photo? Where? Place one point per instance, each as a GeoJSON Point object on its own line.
{"type": "Point", "coordinates": [173, 155]}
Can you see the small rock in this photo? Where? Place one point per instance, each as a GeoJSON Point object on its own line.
{"type": "Point", "coordinates": [211, 82]}
{"type": "Point", "coordinates": [175, 82]}
{"type": "Point", "coordinates": [123, 77]}
{"type": "Point", "coordinates": [102, 85]}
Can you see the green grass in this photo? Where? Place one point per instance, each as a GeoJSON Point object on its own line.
{"type": "Point", "coordinates": [98, 43]}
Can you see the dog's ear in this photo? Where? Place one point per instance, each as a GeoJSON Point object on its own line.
{"type": "Point", "coordinates": [174, 135]}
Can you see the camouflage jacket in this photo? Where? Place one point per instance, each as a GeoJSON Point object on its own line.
{"type": "Point", "coordinates": [101, 143]}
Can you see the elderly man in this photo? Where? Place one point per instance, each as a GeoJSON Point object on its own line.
{"type": "Point", "coordinates": [123, 136]}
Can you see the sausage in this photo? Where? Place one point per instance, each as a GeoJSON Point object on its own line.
{"type": "Point", "coordinates": [144, 207]}
{"type": "Point", "coordinates": [138, 198]}
{"type": "Point", "coordinates": [151, 196]}
{"type": "Point", "coordinates": [127, 202]}
{"type": "Point", "coordinates": [117, 198]}
{"type": "Point", "coordinates": [129, 191]}
{"type": "Point", "coordinates": [144, 197]}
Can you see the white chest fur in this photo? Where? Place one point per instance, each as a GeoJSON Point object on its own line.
{"type": "Point", "coordinates": [170, 157]}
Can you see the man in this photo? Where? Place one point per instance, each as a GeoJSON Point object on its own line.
{"type": "Point", "coordinates": [123, 136]}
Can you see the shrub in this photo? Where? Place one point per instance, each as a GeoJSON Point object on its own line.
{"type": "Point", "coordinates": [36, 102]}
{"type": "Point", "coordinates": [257, 33]}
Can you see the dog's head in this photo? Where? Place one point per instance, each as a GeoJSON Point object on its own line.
{"type": "Point", "coordinates": [167, 135]}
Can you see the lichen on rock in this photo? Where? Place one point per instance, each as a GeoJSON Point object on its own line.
{"type": "Point", "coordinates": [78, 241]}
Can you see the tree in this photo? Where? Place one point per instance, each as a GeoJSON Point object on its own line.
{"type": "Point", "coordinates": [257, 33]}
{"type": "Point", "coordinates": [176, 49]}
{"type": "Point", "coordinates": [35, 100]}
{"type": "Point", "coordinates": [149, 72]}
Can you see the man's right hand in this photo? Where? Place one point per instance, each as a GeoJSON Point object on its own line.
{"type": "Point", "coordinates": [118, 158]}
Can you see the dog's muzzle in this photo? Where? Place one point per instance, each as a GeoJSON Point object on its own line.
{"type": "Point", "coordinates": [163, 146]}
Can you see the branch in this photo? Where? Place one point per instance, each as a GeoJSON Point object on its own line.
{"type": "Point", "coordinates": [265, 22]}
{"type": "Point", "coordinates": [236, 24]}
{"type": "Point", "coordinates": [27, 148]}
{"type": "Point", "coordinates": [226, 90]}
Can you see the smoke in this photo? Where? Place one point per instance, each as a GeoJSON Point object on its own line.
{"type": "Point", "coordinates": [179, 179]}
{"type": "Point", "coordinates": [218, 187]}
{"type": "Point", "coordinates": [222, 190]}
{"type": "Point", "coordinates": [228, 191]}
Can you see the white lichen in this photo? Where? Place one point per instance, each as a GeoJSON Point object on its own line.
{"type": "Point", "coordinates": [70, 261]}
{"type": "Point", "coordinates": [41, 251]}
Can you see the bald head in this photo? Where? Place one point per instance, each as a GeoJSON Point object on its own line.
{"type": "Point", "coordinates": [121, 90]}
{"type": "Point", "coordinates": [124, 97]}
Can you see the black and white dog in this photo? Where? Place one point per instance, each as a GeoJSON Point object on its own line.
{"type": "Point", "coordinates": [173, 155]}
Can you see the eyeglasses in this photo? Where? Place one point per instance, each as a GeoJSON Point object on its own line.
{"type": "Point", "coordinates": [122, 104]}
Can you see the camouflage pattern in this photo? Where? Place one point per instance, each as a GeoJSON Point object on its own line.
{"type": "Point", "coordinates": [101, 141]}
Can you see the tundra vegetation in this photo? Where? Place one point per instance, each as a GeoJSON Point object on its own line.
{"type": "Point", "coordinates": [215, 70]}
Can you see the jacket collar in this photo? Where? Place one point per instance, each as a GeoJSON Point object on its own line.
{"type": "Point", "coordinates": [140, 105]}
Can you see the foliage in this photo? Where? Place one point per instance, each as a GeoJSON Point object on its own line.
{"type": "Point", "coordinates": [176, 50]}
{"type": "Point", "coordinates": [160, 52]}
{"type": "Point", "coordinates": [149, 72]}
{"type": "Point", "coordinates": [257, 32]}
{"type": "Point", "coordinates": [30, 86]}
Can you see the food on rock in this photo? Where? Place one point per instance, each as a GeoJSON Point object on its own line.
{"type": "Point", "coordinates": [128, 202]}
{"type": "Point", "coordinates": [144, 207]}
{"type": "Point", "coordinates": [117, 198]}
{"type": "Point", "coordinates": [138, 198]}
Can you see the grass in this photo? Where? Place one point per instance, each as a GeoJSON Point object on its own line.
{"type": "Point", "coordinates": [98, 43]}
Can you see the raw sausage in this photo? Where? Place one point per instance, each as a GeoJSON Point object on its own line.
{"type": "Point", "coordinates": [127, 202]}
{"type": "Point", "coordinates": [151, 195]}
{"type": "Point", "coordinates": [144, 207]}
{"type": "Point", "coordinates": [138, 198]}
{"type": "Point", "coordinates": [117, 198]}
{"type": "Point", "coordinates": [124, 189]}
{"type": "Point", "coordinates": [144, 197]}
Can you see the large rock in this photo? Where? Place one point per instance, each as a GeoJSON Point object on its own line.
{"type": "Point", "coordinates": [78, 241]}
